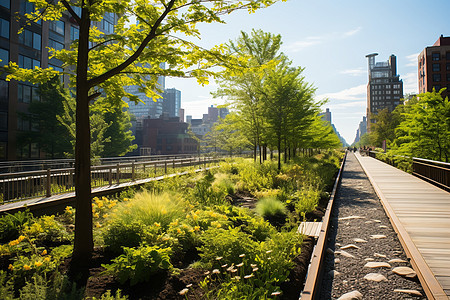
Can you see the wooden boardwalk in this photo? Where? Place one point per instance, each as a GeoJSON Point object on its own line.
{"type": "Point", "coordinates": [420, 214]}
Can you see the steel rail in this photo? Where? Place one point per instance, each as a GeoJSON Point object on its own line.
{"type": "Point", "coordinates": [315, 269]}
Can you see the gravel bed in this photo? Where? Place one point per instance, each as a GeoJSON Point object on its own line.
{"type": "Point", "coordinates": [358, 214]}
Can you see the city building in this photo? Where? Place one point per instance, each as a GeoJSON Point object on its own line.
{"type": "Point", "coordinates": [148, 107]}
{"type": "Point", "coordinates": [385, 88]}
{"type": "Point", "coordinates": [434, 67]}
{"type": "Point", "coordinates": [362, 129]}
{"type": "Point", "coordinates": [326, 115]}
{"type": "Point", "coordinates": [167, 136]}
{"type": "Point", "coordinates": [29, 49]}
{"type": "Point", "coordinates": [171, 103]}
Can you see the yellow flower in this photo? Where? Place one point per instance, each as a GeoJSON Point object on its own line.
{"type": "Point", "coordinates": [157, 224]}
{"type": "Point", "coordinates": [26, 267]}
{"type": "Point", "coordinates": [96, 215]}
{"type": "Point", "coordinates": [47, 259]}
{"type": "Point", "coordinates": [14, 243]}
{"type": "Point", "coordinates": [196, 228]}
{"type": "Point", "coordinates": [178, 230]}
{"type": "Point", "coordinates": [194, 216]}
{"type": "Point", "coordinates": [38, 263]}
{"type": "Point", "coordinates": [97, 224]}
{"type": "Point", "coordinates": [11, 267]}
{"type": "Point", "coordinates": [44, 252]}
{"type": "Point", "coordinates": [21, 238]}
{"type": "Point", "coordinates": [105, 216]}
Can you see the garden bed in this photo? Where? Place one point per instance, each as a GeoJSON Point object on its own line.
{"type": "Point", "coordinates": [230, 233]}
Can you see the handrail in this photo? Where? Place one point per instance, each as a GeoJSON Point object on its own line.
{"type": "Point", "coordinates": [435, 172]}
{"type": "Point", "coordinates": [44, 183]}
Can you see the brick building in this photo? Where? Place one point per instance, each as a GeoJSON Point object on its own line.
{"type": "Point", "coordinates": [434, 67]}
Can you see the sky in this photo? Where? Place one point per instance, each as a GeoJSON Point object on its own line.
{"type": "Point", "coordinates": [330, 39]}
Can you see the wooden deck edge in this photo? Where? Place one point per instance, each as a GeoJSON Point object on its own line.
{"type": "Point", "coordinates": [314, 272]}
{"type": "Point", "coordinates": [430, 284]}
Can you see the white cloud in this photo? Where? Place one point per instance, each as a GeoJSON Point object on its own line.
{"type": "Point", "coordinates": [356, 93]}
{"type": "Point", "coordinates": [412, 60]}
{"type": "Point", "coordinates": [352, 32]}
{"type": "Point", "coordinates": [410, 83]}
{"type": "Point", "coordinates": [354, 104]}
{"type": "Point", "coordinates": [355, 72]}
{"type": "Point", "coordinates": [308, 42]}
{"type": "Point", "coordinates": [316, 40]}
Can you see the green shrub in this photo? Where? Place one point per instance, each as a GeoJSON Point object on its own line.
{"type": "Point", "coordinates": [12, 224]}
{"type": "Point", "coordinates": [306, 200]}
{"type": "Point", "coordinates": [6, 286]}
{"type": "Point", "coordinates": [109, 296]}
{"type": "Point", "coordinates": [227, 245]}
{"type": "Point", "coordinates": [247, 221]}
{"type": "Point", "coordinates": [120, 234]}
{"type": "Point", "coordinates": [48, 231]}
{"type": "Point", "coordinates": [205, 194]}
{"type": "Point", "coordinates": [138, 265]}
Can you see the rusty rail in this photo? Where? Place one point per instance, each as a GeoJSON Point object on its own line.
{"type": "Point", "coordinates": [314, 276]}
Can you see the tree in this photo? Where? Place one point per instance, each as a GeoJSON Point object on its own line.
{"type": "Point", "coordinates": [255, 52]}
{"type": "Point", "coordinates": [51, 135]}
{"type": "Point", "coordinates": [425, 130]}
{"type": "Point", "coordinates": [118, 132]}
{"type": "Point", "coordinates": [131, 55]}
{"type": "Point", "coordinates": [384, 127]}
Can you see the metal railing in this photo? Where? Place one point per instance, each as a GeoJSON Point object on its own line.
{"type": "Point", "coordinates": [436, 172]}
{"type": "Point", "coordinates": [44, 183]}
{"type": "Point", "coordinates": [44, 164]}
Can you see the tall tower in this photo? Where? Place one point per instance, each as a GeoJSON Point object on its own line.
{"type": "Point", "coordinates": [384, 89]}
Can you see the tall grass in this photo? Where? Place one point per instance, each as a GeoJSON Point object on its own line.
{"type": "Point", "coordinates": [150, 208]}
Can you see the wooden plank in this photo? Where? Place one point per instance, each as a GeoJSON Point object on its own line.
{"type": "Point", "coordinates": [310, 228]}
{"type": "Point", "coordinates": [420, 214]}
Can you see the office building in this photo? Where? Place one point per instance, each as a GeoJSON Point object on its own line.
{"type": "Point", "coordinates": [171, 103]}
{"type": "Point", "coordinates": [434, 67]}
{"type": "Point", "coordinates": [385, 88]}
{"type": "Point", "coordinates": [29, 49]}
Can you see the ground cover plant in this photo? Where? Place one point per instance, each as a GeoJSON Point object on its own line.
{"type": "Point", "coordinates": [181, 238]}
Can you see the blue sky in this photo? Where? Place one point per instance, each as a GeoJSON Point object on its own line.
{"type": "Point", "coordinates": [330, 39]}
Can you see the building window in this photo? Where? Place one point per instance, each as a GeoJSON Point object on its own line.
{"type": "Point", "coordinates": [30, 39]}
{"type": "Point", "coordinates": [26, 7]}
{"type": "Point", "coordinates": [448, 67]}
{"type": "Point", "coordinates": [57, 26]}
{"type": "Point", "coordinates": [396, 92]}
{"type": "Point", "coordinates": [447, 55]}
{"type": "Point", "coordinates": [27, 93]}
{"type": "Point", "coordinates": [437, 87]}
{"type": "Point", "coordinates": [448, 76]}
{"type": "Point", "coordinates": [23, 124]}
{"type": "Point", "coordinates": [74, 33]}
{"type": "Point", "coordinates": [4, 28]}
{"type": "Point", "coordinates": [3, 91]}
{"type": "Point", "coordinates": [435, 56]}
{"type": "Point", "coordinates": [388, 92]}
{"type": "Point", "coordinates": [5, 3]}
{"type": "Point", "coordinates": [436, 77]}
{"type": "Point", "coordinates": [436, 67]}
{"type": "Point", "coordinates": [4, 56]}
{"type": "Point", "coordinates": [55, 45]}
{"type": "Point", "coordinates": [28, 62]}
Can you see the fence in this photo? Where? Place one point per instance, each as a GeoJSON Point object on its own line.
{"type": "Point", "coordinates": [436, 172]}
{"type": "Point", "coordinates": [44, 183]}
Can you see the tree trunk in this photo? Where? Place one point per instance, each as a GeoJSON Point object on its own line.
{"type": "Point", "coordinates": [279, 153]}
{"type": "Point", "coordinates": [84, 242]}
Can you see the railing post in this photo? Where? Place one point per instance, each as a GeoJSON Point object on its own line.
{"type": "Point", "coordinates": [173, 163]}
{"type": "Point", "coordinates": [165, 167]}
{"type": "Point", "coordinates": [132, 171]}
{"type": "Point", "coordinates": [49, 183]}
{"type": "Point", "coordinates": [118, 173]}
{"type": "Point", "coordinates": [110, 176]}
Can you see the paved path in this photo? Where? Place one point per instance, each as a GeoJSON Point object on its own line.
{"type": "Point", "coordinates": [362, 246]}
{"type": "Point", "coordinates": [421, 214]}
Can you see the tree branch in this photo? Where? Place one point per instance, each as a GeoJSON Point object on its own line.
{"type": "Point", "coordinates": [72, 12]}
{"type": "Point", "coordinates": [105, 76]}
